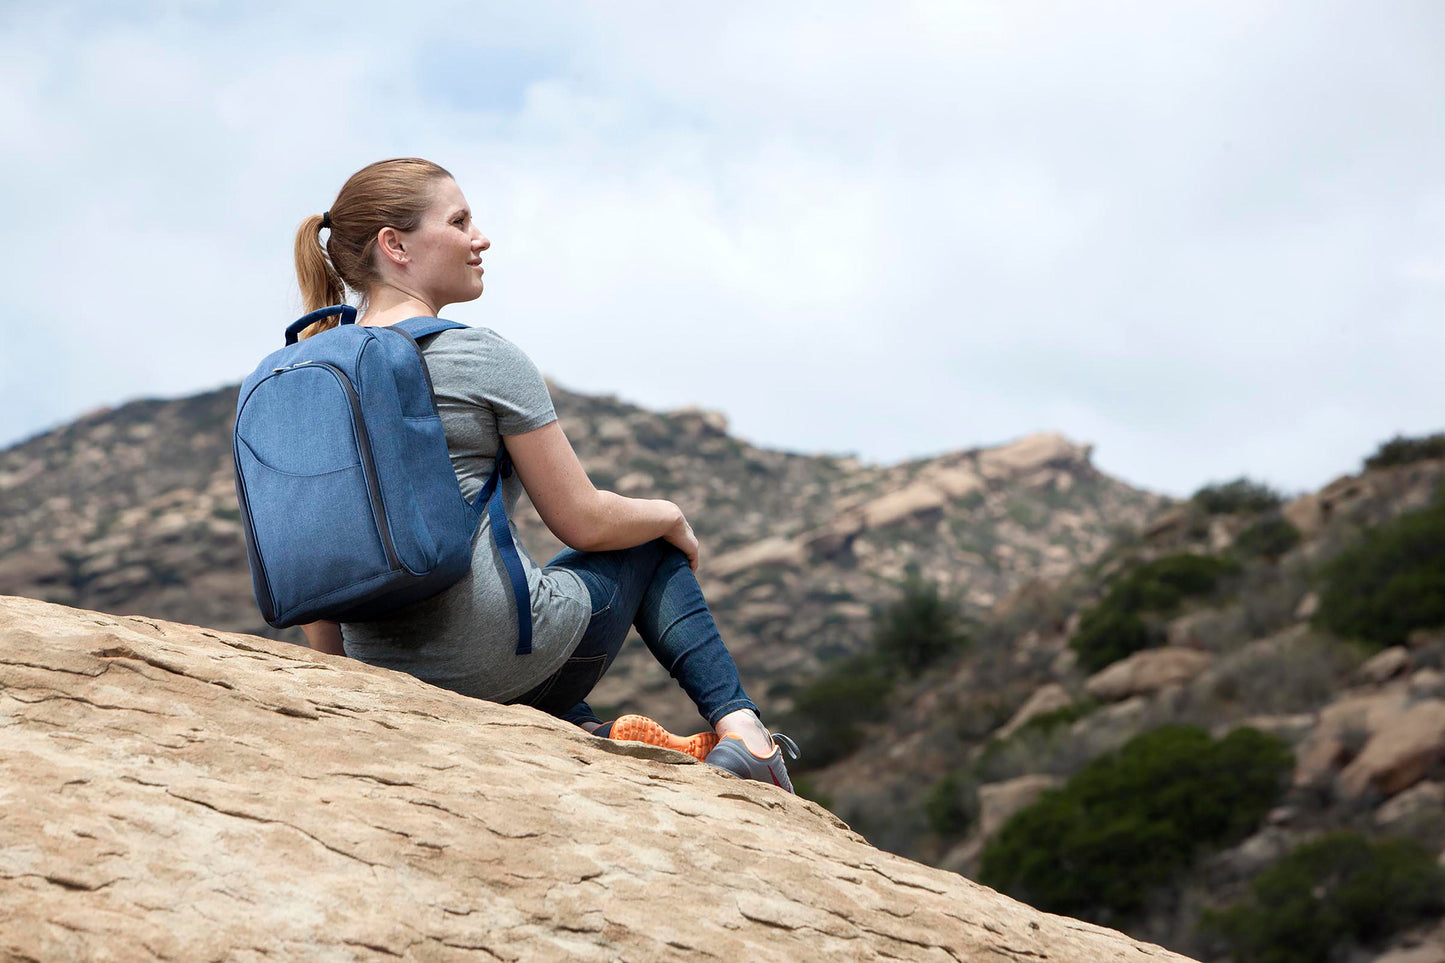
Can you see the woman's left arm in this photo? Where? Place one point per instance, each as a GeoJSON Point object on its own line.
{"type": "Point", "coordinates": [324, 637]}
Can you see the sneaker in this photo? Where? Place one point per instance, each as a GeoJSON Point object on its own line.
{"type": "Point", "coordinates": [635, 728]}
{"type": "Point", "coordinates": [734, 755]}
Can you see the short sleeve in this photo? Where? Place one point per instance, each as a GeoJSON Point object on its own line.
{"type": "Point", "coordinates": [519, 394]}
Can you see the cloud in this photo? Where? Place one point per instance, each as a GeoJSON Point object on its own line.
{"type": "Point", "coordinates": [1200, 236]}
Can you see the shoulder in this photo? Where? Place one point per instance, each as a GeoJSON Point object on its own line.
{"type": "Point", "coordinates": [476, 340]}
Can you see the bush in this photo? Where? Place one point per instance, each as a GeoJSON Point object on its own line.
{"type": "Point", "coordinates": [952, 803]}
{"type": "Point", "coordinates": [1401, 451]}
{"type": "Point", "coordinates": [1388, 583]}
{"type": "Point", "coordinates": [1337, 890]}
{"type": "Point", "coordinates": [1270, 537]}
{"type": "Point", "coordinates": [1112, 629]}
{"type": "Point", "coordinates": [829, 712]}
{"type": "Point", "coordinates": [919, 628]}
{"type": "Point", "coordinates": [1135, 819]}
{"type": "Point", "coordinates": [1240, 495]}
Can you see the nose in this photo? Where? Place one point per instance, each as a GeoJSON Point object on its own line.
{"type": "Point", "coordinates": [481, 242]}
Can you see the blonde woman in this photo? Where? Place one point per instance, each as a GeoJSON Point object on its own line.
{"type": "Point", "coordinates": [400, 235]}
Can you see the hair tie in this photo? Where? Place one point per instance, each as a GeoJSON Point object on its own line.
{"type": "Point", "coordinates": [325, 218]}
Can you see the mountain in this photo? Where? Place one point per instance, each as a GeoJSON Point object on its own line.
{"type": "Point", "coordinates": [132, 510]}
{"type": "Point", "coordinates": [1266, 639]}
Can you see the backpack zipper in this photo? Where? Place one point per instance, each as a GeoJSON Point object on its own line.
{"type": "Point", "coordinates": [368, 463]}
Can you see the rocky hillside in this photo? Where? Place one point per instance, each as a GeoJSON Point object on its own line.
{"type": "Point", "coordinates": [133, 511]}
{"type": "Point", "coordinates": [960, 769]}
{"type": "Point", "coordinates": [180, 793]}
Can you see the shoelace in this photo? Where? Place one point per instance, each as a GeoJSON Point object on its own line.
{"type": "Point", "coordinates": [785, 743]}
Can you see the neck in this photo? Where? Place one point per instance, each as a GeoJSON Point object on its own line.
{"type": "Point", "coordinates": [386, 305]}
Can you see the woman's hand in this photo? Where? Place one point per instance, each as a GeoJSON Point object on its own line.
{"type": "Point", "coordinates": [680, 534]}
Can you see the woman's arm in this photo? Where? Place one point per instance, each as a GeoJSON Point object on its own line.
{"type": "Point", "coordinates": [577, 513]}
{"type": "Point", "coordinates": [324, 637]}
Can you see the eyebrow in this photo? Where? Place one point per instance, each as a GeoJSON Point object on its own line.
{"type": "Point", "coordinates": [460, 210]}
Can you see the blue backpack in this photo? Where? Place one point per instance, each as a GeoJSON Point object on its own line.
{"type": "Point", "coordinates": [348, 498]}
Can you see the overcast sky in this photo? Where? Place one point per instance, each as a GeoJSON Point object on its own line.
{"type": "Point", "coordinates": [1208, 238]}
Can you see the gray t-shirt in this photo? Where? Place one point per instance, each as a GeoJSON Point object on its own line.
{"type": "Point", "coordinates": [465, 638]}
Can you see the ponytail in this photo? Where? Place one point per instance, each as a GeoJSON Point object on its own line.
{"type": "Point", "coordinates": [320, 285]}
{"type": "Point", "coordinates": [390, 193]}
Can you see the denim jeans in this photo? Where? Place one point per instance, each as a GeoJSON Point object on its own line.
{"type": "Point", "coordinates": [650, 587]}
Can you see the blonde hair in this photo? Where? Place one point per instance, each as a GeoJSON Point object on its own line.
{"type": "Point", "coordinates": [390, 193]}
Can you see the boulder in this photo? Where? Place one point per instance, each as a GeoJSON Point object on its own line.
{"type": "Point", "coordinates": [1384, 666]}
{"type": "Point", "coordinates": [1344, 727]}
{"type": "Point", "coordinates": [769, 551]}
{"type": "Point", "coordinates": [998, 801]}
{"type": "Point", "coordinates": [1146, 672]}
{"type": "Point", "coordinates": [1031, 453]}
{"type": "Point", "coordinates": [1049, 697]}
{"type": "Point", "coordinates": [1421, 797]}
{"type": "Point", "coordinates": [1398, 753]}
{"type": "Point", "coordinates": [171, 791]}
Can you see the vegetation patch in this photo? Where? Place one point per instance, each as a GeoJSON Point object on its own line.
{"type": "Point", "coordinates": [951, 804]}
{"type": "Point", "coordinates": [1136, 819]}
{"type": "Point", "coordinates": [1339, 890]}
{"type": "Point", "coordinates": [1240, 495]}
{"type": "Point", "coordinates": [1390, 582]}
{"type": "Point", "coordinates": [1402, 451]}
{"type": "Point", "coordinates": [1113, 628]}
{"type": "Point", "coordinates": [1268, 538]}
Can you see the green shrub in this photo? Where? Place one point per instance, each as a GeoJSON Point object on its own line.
{"type": "Point", "coordinates": [919, 628]}
{"type": "Point", "coordinates": [829, 712]}
{"type": "Point", "coordinates": [951, 804]}
{"type": "Point", "coordinates": [1337, 890]}
{"type": "Point", "coordinates": [1112, 629]}
{"type": "Point", "coordinates": [1401, 450]}
{"type": "Point", "coordinates": [1388, 583]}
{"type": "Point", "coordinates": [1270, 537]}
{"type": "Point", "coordinates": [1240, 495]}
{"type": "Point", "coordinates": [1135, 819]}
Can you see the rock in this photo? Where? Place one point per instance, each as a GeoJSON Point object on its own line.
{"type": "Point", "coordinates": [1398, 754]}
{"type": "Point", "coordinates": [998, 801]}
{"type": "Point", "coordinates": [1049, 697]}
{"type": "Point", "coordinates": [1031, 453]}
{"type": "Point", "coordinates": [1424, 953]}
{"type": "Point", "coordinates": [171, 791]}
{"type": "Point", "coordinates": [1421, 796]}
{"type": "Point", "coordinates": [1281, 815]}
{"type": "Point", "coordinates": [1344, 727]}
{"type": "Point", "coordinates": [1064, 663]}
{"type": "Point", "coordinates": [1425, 683]}
{"type": "Point", "coordinates": [915, 499]}
{"type": "Point", "coordinates": [769, 551]}
{"type": "Point", "coordinates": [1384, 666]}
{"type": "Point", "coordinates": [1147, 671]}
{"type": "Point", "coordinates": [1308, 606]}
{"type": "Point", "coordinates": [1304, 514]}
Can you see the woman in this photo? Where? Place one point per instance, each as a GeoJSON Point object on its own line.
{"type": "Point", "coordinates": [402, 236]}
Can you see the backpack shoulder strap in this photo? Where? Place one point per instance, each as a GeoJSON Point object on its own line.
{"type": "Point", "coordinates": [421, 327]}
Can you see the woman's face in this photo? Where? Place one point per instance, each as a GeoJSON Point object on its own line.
{"type": "Point", "coordinates": [445, 251]}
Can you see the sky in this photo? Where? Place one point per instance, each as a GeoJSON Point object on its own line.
{"type": "Point", "coordinates": [1207, 238]}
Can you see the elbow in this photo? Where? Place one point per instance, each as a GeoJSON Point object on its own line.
{"type": "Point", "coordinates": [588, 531]}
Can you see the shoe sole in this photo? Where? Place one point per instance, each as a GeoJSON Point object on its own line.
{"type": "Point", "coordinates": [634, 728]}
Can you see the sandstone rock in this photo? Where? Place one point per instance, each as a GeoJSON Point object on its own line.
{"type": "Point", "coordinates": [1048, 697]}
{"type": "Point", "coordinates": [915, 499]}
{"type": "Point", "coordinates": [1030, 453]}
{"type": "Point", "coordinates": [769, 551]}
{"type": "Point", "coordinates": [1308, 606]}
{"type": "Point", "coordinates": [1421, 796]}
{"type": "Point", "coordinates": [1423, 953]}
{"type": "Point", "coordinates": [998, 801]}
{"type": "Point", "coordinates": [1385, 665]}
{"type": "Point", "coordinates": [1344, 726]}
{"type": "Point", "coordinates": [1427, 682]}
{"type": "Point", "coordinates": [1147, 671]}
{"type": "Point", "coordinates": [170, 791]}
{"type": "Point", "coordinates": [1398, 754]}
{"type": "Point", "coordinates": [1304, 514]}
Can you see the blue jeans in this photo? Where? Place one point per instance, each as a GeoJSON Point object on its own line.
{"type": "Point", "coordinates": [650, 587]}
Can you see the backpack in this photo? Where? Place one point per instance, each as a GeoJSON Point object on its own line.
{"type": "Point", "coordinates": [349, 502]}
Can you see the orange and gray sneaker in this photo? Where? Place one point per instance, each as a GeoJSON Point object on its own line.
{"type": "Point", "coordinates": [635, 728]}
{"type": "Point", "coordinates": [733, 755]}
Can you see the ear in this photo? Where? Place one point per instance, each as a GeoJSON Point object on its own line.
{"type": "Point", "coordinates": [389, 243]}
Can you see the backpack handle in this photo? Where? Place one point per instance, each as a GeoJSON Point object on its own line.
{"type": "Point", "coordinates": [347, 312]}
